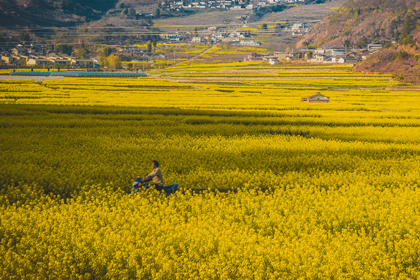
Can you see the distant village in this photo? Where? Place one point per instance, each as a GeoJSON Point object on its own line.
{"type": "Point", "coordinates": [39, 56]}
{"type": "Point", "coordinates": [222, 4]}
{"type": "Point", "coordinates": [211, 35]}
{"type": "Point", "coordinates": [215, 34]}
{"type": "Point", "coordinates": [328, 54]}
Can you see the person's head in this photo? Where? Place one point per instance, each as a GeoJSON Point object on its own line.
{"type": "Point", "coordinates": [155, 164]}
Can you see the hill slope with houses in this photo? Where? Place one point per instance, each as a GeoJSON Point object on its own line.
{"type": "Point", "coordinates": [358, 22]}
{"type": "Point", "coordinates": [390, 27]}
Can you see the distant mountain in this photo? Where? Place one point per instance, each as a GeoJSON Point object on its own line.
{"type": "Point", "coordinates": [360, 21]}
{"type": "Point", "coordinates": [22, 13]}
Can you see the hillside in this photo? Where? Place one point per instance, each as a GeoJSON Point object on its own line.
{"type": "Point", "coordinates": [26, 13]}
{"type": "Point", "coordinates": [361, 21]}
{"type": "Point", "coordinates": [402, 61]}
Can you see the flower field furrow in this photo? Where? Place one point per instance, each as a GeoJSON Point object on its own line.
{"type": "Point", "coordinates": [340, 82]}
{"type": "Point", "coordinates": [320, 75]}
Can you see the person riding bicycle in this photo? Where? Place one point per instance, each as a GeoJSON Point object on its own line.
{"type": "Point", "coordinates": [156, 175]}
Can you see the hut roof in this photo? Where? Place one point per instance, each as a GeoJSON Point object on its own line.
{"type": "Point", "coordinates": [318, 96]}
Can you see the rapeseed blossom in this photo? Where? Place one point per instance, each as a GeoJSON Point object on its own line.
{"type": "Point", "coordinates": [317, 190]}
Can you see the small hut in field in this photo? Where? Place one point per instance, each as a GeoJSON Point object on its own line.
{"type": "Point", "coordinates": [318, 97]}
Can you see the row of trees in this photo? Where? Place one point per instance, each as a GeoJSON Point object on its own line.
{"type": "Point", "coordinates": [108, 59]}
{"type": "Point", "coordinates": [410, 24]}
{"type": "Point", "coordinates": [128, 13]}
{"type": "Point", "coordinates": [64, 49]}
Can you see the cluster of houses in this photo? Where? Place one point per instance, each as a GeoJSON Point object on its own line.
{"type": "Point", "coordinates": [211, 35]}
{"type": "Point", "coordinates": [139, 54]}
{"type": "Point", "coordinates": [328, 54]}
{"type": "Point", "coordinates": [39, 55]}
{"type": "Point", "coordinates": [341, 54]}
{"type": "Point", "coordinates": [298, 29]}
{"type": "Point", "coordinates": [222, 4]}
{"type": "Point", "coordinates": [28, 55]}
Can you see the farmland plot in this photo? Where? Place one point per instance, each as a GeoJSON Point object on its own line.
{"type": "Point", "coordinates": [343, 177]}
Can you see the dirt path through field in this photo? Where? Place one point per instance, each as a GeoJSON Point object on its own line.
{"type": "Point", "coordinates": [194, 57]}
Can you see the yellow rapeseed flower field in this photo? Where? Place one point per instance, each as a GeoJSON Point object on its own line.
{"type": "Point", "coordinates": [316, 190]}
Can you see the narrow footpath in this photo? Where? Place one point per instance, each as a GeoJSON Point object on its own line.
{"type": "Point", "coordinates": [195, 57]}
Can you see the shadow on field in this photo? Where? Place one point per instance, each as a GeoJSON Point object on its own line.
{"type": "Point", "coordinates": [223, 190]}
